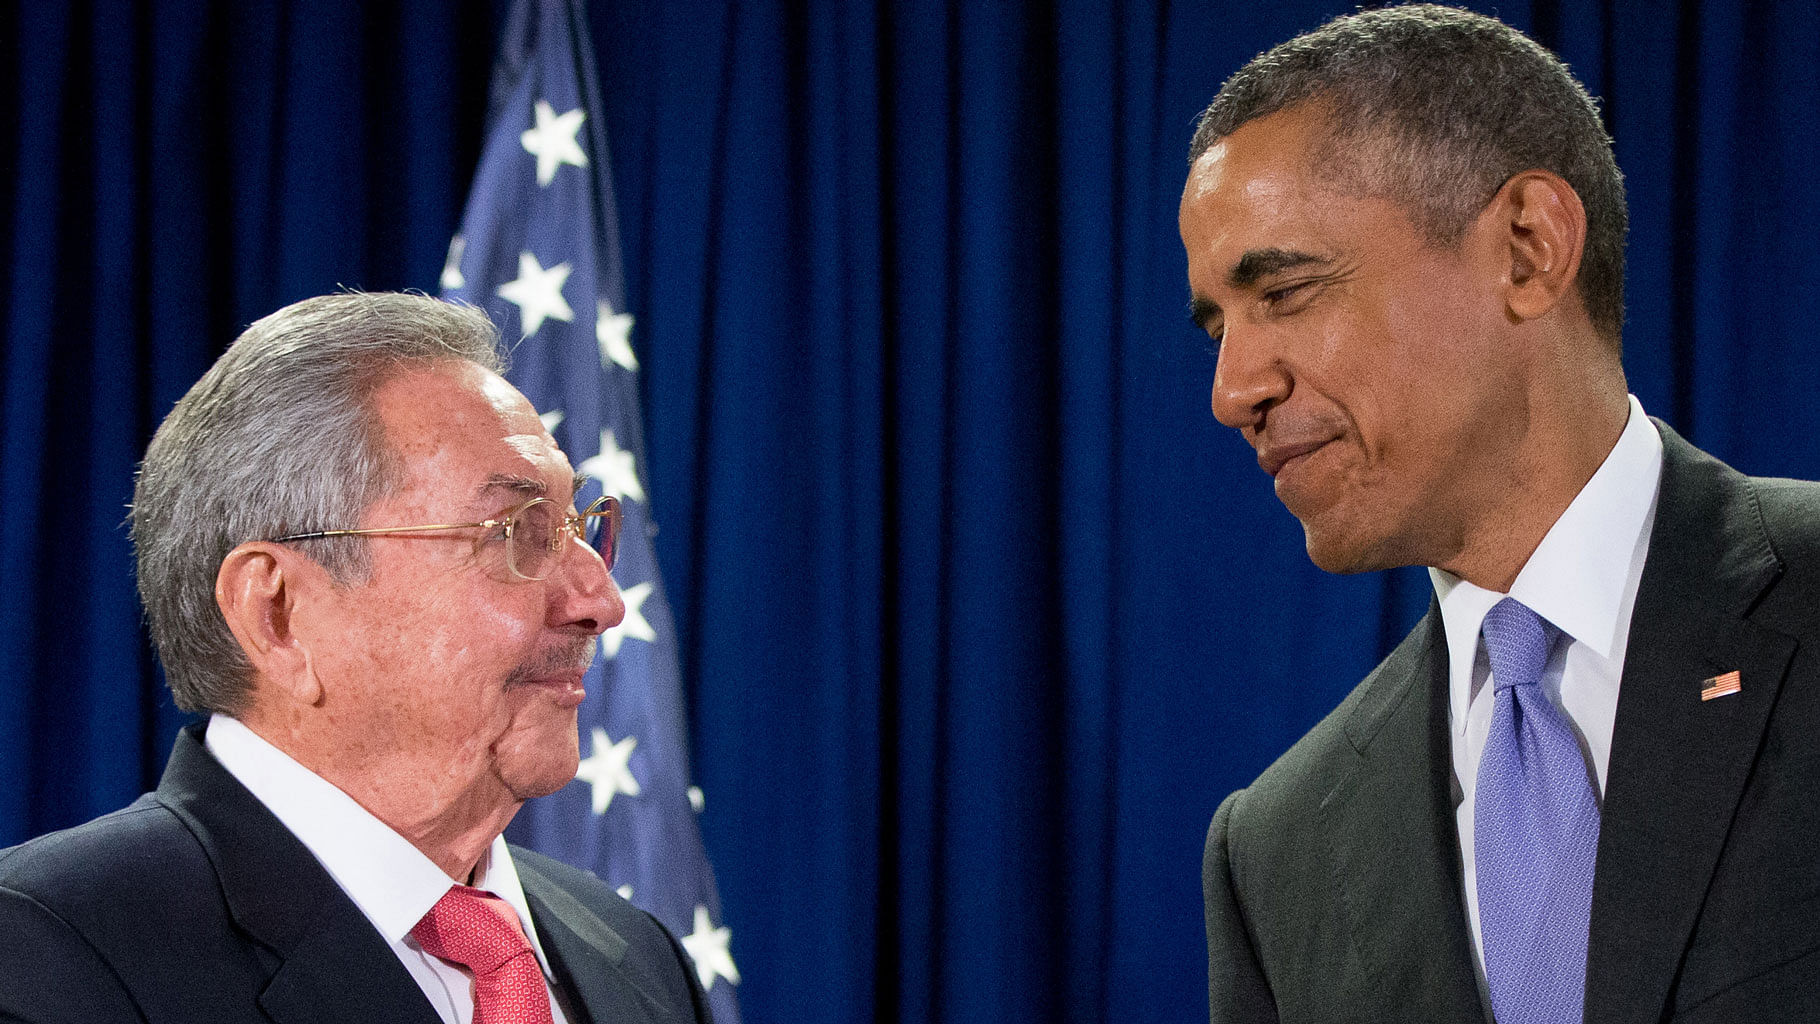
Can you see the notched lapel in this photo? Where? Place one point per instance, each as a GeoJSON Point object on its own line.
{"type": "Point", "coordinates": [587, 957]}
{"type": "Point", "coordinates": [335, 976]}
{"type": "Point", "coordinates": [562, 909]}
{"type": "Point", "coordinates": [1402, 889]}
{"type": "Point", "coordinates": [332, 965]}
{"type": "Point", "coordinates": [1678, 769]}
{"type": "Point", "coordinates": [1679, 765]}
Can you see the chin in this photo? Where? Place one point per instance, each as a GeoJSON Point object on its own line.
{"type": "Point", "coordinates": [539, 762]}
{"type": "Point", "coordinates": [544, 785]}
{"type": "Point", "coordinates": [1332, 551]}
{"type": "Point", "coordinates": [527, 782]}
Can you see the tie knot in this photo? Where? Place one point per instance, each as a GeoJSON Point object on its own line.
{"type": "Point", "coordinates": [1516, 642]}
{"type": "Point", "coordinates": [474, 928]}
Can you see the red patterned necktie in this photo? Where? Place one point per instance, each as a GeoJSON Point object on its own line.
{"type": "Point", "coordinates": [480, 931]}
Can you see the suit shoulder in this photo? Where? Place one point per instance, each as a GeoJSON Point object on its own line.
{"type": "Point", "coordinates": [1293, 778]}
{"type": "Point", "coordinates": [1295, 785]}
{"type": "Point", "coordinates": [130, 848]}
{"type": "Point", "coordinates": [1789, 511]}
{"type": "Point", "coordinates": [1791, 515]}
{"type": "Point", "coordinates": [108, 878]}
{"type": "Point", "coordinates": [70, 980]}
{"type": "Point", "coordinates": [82, 902]}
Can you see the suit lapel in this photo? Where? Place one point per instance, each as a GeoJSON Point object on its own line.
{"type": "Point", "coordinates": [586, 955]}
{"type": "Point", "coordinates": [328, 964]}
{"type": "Point", "coordinates": [1402, 887]}
{"type": "Point", "coordinates": [335, 974]}
{"type": "Point", "coordinates": [1679, 764]}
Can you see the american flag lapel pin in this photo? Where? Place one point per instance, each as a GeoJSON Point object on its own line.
{"type": "Point", "coordinates": [1721, 686]}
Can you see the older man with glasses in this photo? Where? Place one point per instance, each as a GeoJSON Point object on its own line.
{"type": "Point", "coordinates": [360, 557]}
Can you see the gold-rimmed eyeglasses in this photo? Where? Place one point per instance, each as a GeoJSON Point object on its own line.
{"type": "Point", "coordinates": [531, 534]}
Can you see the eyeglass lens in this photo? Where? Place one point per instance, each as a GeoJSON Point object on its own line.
{"type": "Point", "coordinates": [537, 534]}
{"type": "Point", "coordinates": [602, 529]}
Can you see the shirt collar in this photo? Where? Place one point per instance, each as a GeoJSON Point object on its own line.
{"type": "Point", "coordinates": [392, 882]}
{"type": "Point", "coordinates": [1576, 577]}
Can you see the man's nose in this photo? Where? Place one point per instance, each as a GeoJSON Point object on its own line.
{"type": "Point", "coordinates": [1248, 380]}
{"type": "Point", "coordinates": [584, 598]}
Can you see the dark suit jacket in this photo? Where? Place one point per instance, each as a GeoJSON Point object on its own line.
{"type": "Point", "coordinates": [195, 905]}
{"type": "Point", "coordinates": [1333, 884]}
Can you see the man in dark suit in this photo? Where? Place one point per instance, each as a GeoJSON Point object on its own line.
{"type": "Point", "coordinates": [1405, 232]}
{"type": "Point", "coordinates": [359, 555]}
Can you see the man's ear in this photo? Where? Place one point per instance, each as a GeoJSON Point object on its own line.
{"type": "Point", "coordinates": [258, 589]}
{"type": "Point", "coordinates": [1543, 229]}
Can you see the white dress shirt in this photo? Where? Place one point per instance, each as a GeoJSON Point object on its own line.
{"type": "Point", "coordinates": [1583, 580]}
{"type": "Point", "coordinates": [390, 880]}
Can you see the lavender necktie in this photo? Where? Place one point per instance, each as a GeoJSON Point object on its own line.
{"type": "Point", "coordinates": [1535, 834]}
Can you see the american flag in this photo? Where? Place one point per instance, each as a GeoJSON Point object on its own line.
{"type": "Point", "coordinates": [539, 251]}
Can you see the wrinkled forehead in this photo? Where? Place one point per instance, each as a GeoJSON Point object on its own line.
{"type": "Point", "coordinates": [458, 433]}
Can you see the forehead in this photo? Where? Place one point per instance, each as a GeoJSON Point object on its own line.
{"type": "Point", "coordinates": [1283, 191]}
{"type": "Point", "coordinates": [455, 426]}
{"type": "Point", "coordinates": [1277, 148]}
{"type": "Point", "coordinates": [1258, 187]}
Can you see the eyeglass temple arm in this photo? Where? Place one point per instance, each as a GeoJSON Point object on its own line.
{"type": "Point", "coordinates": [484, 525]}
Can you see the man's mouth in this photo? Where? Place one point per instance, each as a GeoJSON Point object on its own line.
{"type": "Point", "coordinates": [566, 689]}
{"type": "Point", "coordinates": [1272, 458]}
{"type": "Point", "coordinates": [558, 672]}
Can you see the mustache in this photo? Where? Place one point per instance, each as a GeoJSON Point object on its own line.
{"type": "Point", "coordinates": [571, 656]}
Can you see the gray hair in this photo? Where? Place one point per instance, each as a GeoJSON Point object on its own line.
{"type": "Point", "coordinates": [278, 437]}
{"type": "Point", "coordinates": [1451, 104]}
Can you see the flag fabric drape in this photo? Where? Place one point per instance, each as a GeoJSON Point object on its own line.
{"type": "Point", "coordinates": [539, 250]}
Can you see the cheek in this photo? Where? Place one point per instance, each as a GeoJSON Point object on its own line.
{"type": "Point", "coordinates": [1435, 339]}
{"type": "Point", "coordinates": [1364, 365]}
{"type": "Point", "coordinates": [1442, 315]}
{"type": "Point", "coordinates": [440, 663]}
{"type": "Point", "coordinates": [472, 645]}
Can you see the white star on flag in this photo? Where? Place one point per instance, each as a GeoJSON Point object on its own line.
{"type": "Point", "coordinates": [633, 626]}
{"type": "Point", "coordinates": [614, 333]}
{"type": "Point", "coordinates": [543, 191]}
{"type": "Point", "coordinates": [625, 893]}
{"type": "Point", "coordinates": [552, 140]}
{"type": "Point", "coordinates": [615, 468]}
{"type": "Point", "coordinates": [707, 946]}
{"type": "Point", "coordinates": [538, 293]}
{"type": "Point", "coordinates": [451, 267]}
{"type": "Point", "coordinates": [609, 770]}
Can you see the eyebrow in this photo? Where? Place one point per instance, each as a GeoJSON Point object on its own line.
{"type": "Point", "coordinates": [526, 485]}
{"type": "Point", "coordinates": [1260, 263]}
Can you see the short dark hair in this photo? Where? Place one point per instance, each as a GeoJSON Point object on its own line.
{"type": "Point", "coordinates": [1453, 104]}
{"type": "Point", "coordinates": [277, 437]}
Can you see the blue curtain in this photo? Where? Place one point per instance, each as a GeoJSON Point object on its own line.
{"type": "Point", "coordinates": [982, 613]}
